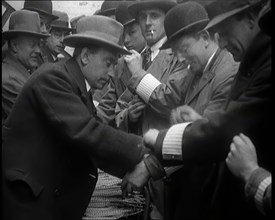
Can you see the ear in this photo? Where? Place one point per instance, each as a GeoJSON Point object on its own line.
{"type": "Point", "coordinates": [13, 45]}
{"type": "Point", "coordinates": [251, 20]}
{"type": "Point", "coordinates": [206, 37]}
{"type": "Point", "coordinates": [84, 55]}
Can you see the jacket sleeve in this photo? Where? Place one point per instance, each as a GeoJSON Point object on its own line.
{"type": "Point", "coordinates": [165, 94]}
{"type": "Point", "coordinates": [208, 140]}
{"type": "Point", "coordinates": [70, 118]}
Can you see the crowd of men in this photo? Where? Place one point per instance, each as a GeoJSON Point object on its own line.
{"type": "Point", "coordinates": [173, 97]}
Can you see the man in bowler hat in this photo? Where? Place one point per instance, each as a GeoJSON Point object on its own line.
{"type": "Point", "coordinates": [53, 50]}
{"type": "Point", "coordinates": [52, 140]}
{"type": "Point", "coordinates": [248, 110]}
{"type": "Point", "coordinates": [23, 40]}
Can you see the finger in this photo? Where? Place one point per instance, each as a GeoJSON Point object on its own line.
{"type": "Point", "coordinates": [232, 148]}
{"type": "Point", "coordinates": [238, 141]}
{"type": "Point", "coordinates": [129, 188]}
{"type": "Point", "coordinates": [246, 139]}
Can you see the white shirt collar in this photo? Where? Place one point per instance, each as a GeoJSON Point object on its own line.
{"type": "Point", "coordinates": [209, 60]}
{"type": "Point", "coordinates": [156, 46]}
{"type": "Point", "coordinates": [88, 87]}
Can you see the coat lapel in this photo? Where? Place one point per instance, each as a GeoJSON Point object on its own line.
{"type": "Point", "coordinates": [73, 69]}
{"type": "Point", "coordinates": [207, 76]}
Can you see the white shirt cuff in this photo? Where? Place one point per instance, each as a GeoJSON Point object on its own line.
{"type": "Point", "coordinates": [147, 86]}
{"type": "Point", "coordinates": [260, 193]}
{"type": "Point", "coordinates": [172, 143]}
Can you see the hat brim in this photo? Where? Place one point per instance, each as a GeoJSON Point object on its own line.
{"type": "Point", "coordinates": [219, 18]}
{"type": "Point", "coordinates": [50, 16]}
{"type": "Point", "coordinates": [135, 8]}
{"type": "Point", "coordinates": [82, 39]}
{"type": "Point", "coordinates": [192, 28]}
{"type": "Point", "coordinates": [9, 34]}
{"type": "Point", "coordinates": [108, 12]}
{"type": "Point", "coordinates": [129, 22]}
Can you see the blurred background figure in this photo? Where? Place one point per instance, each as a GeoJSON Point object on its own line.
{"type": "Point", "coordinates": [53, 49]}
{"type": "Point", "coordinates": [23, 40]}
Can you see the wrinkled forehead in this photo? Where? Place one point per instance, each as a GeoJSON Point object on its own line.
{"type": "Point", "coordinates": [152, 10]}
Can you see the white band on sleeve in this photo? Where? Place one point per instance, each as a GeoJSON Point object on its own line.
{"type": "Point", "coordinates": [171, 147]}
{"type": "Point", "coordinates": [146, 87]}
{"type": "Point", "coordinates": [258, 198]}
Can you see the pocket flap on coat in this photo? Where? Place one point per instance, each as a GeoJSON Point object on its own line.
{"type": "Point", "coordinates": [20, 175]}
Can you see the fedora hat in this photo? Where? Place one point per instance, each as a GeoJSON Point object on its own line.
{"type": "Point", "coordinates": [42, 7]}
{"type": "Point", "coordinates": [24, 22]}
{"type": "Point", "coordinates": [220, 10]}
{"type": "Point", "coordinates": [122, 14]}
{"type": "Point", "coordinates": [108, 8]}
{"type": "Point", "coordinates": [190, 17]}
{"type": "Point", "coordinates": [136, 7]}
{"type": "Point", "coordinates": [62, 22]}
{"type": "Point", "coordinates": [97, 29]}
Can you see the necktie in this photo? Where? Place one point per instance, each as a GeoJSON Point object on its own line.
{"type": "Point", "coordinates": [146, 58]}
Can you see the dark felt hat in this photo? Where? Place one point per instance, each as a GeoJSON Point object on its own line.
{"type": "Point", "coordinates": [220, 10]}
{"type": "Point", "coordinates": [108, 8]}
{"type": "Point", "coordinates": [97, 29]}
{"type": "Point", "coordinates": [185, 18]}
{"type": "Point", "coordinates": [122, 14]}
{"type": "Point", "coordinates": [136, 7]}
{"type": "Point", "coordinates": [62, 22]}
{"type": "Point", "coordinates": [24, 22]}
{"type": "Point", "coordinates": [42, 7]}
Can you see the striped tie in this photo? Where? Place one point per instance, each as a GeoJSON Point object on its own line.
{"type": "Point", "coordinates": [146, 58]}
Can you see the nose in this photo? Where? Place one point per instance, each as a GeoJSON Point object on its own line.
{"type": "Point", "coordinates": [147, 20]}
{"type": "Point", "coordinates": [180, 57]}
{"type": "Point", "coordinates": [43, 27]}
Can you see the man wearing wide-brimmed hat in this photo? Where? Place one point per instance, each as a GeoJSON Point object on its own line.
{"type": "Point", "coordinates": [23, 39]}
{"type": "Point", "coordinates": [53, 50]}
{"type": "Point", "coordinates": [248, 110]}
{"type": "Point", "coordinates": [112, 105]}
{"type": "Point", "coordinates": [53, 141]}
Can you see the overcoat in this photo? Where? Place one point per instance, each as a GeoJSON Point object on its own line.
{"type": "Point", "coordinates": [248, 110]}
{"type": "Point", "coordinates": [14, 76]}
{"type": "Point", "coordinates": [53, 143]}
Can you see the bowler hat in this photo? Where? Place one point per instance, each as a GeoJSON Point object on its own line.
{"type": "Point", "coordinates": [42, 7]}
{"type": "Point", "coordinates": [136, 7]}
{"type": "Point", "coordinates": [97, 29]}
{"type": "Point", "coordinates": [122, 14]}
{"type": "Point", "coordinates": [24, 22]}
{"type": "Point", "coordinates": [62, 22]}
{"type": "Point", "coordinates": [220, 10]}
{"type": "Point", "coordinates": [190, 17]}
{"type": "Point", "coordinates": [108, 8]}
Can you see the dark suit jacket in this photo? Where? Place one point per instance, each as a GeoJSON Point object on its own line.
{"type": "Point", "coordinates": [249, 110]}
{"type": "Point", "coordinates": [49, 140]}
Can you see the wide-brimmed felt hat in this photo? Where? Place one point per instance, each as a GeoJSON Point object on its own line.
{"type": "Point", "coordinates": [108, 8]}
{"type": "Point", "coordinates": [24, 22]}
{"type": "Point", "coordinates": [42, 7]}
{"type": "Point", "coordinates": [62, 22]}
{"type": "Point", "coordinates": [122, 14]}
{"type": "Point", "coordinates": [220, 10]}
{"type": "Point", "coordinates": [185, 18]}
{"type": "Point", "coordinates": [136, 7]}
{"type": "Point", "coordinates": [97, 30]}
